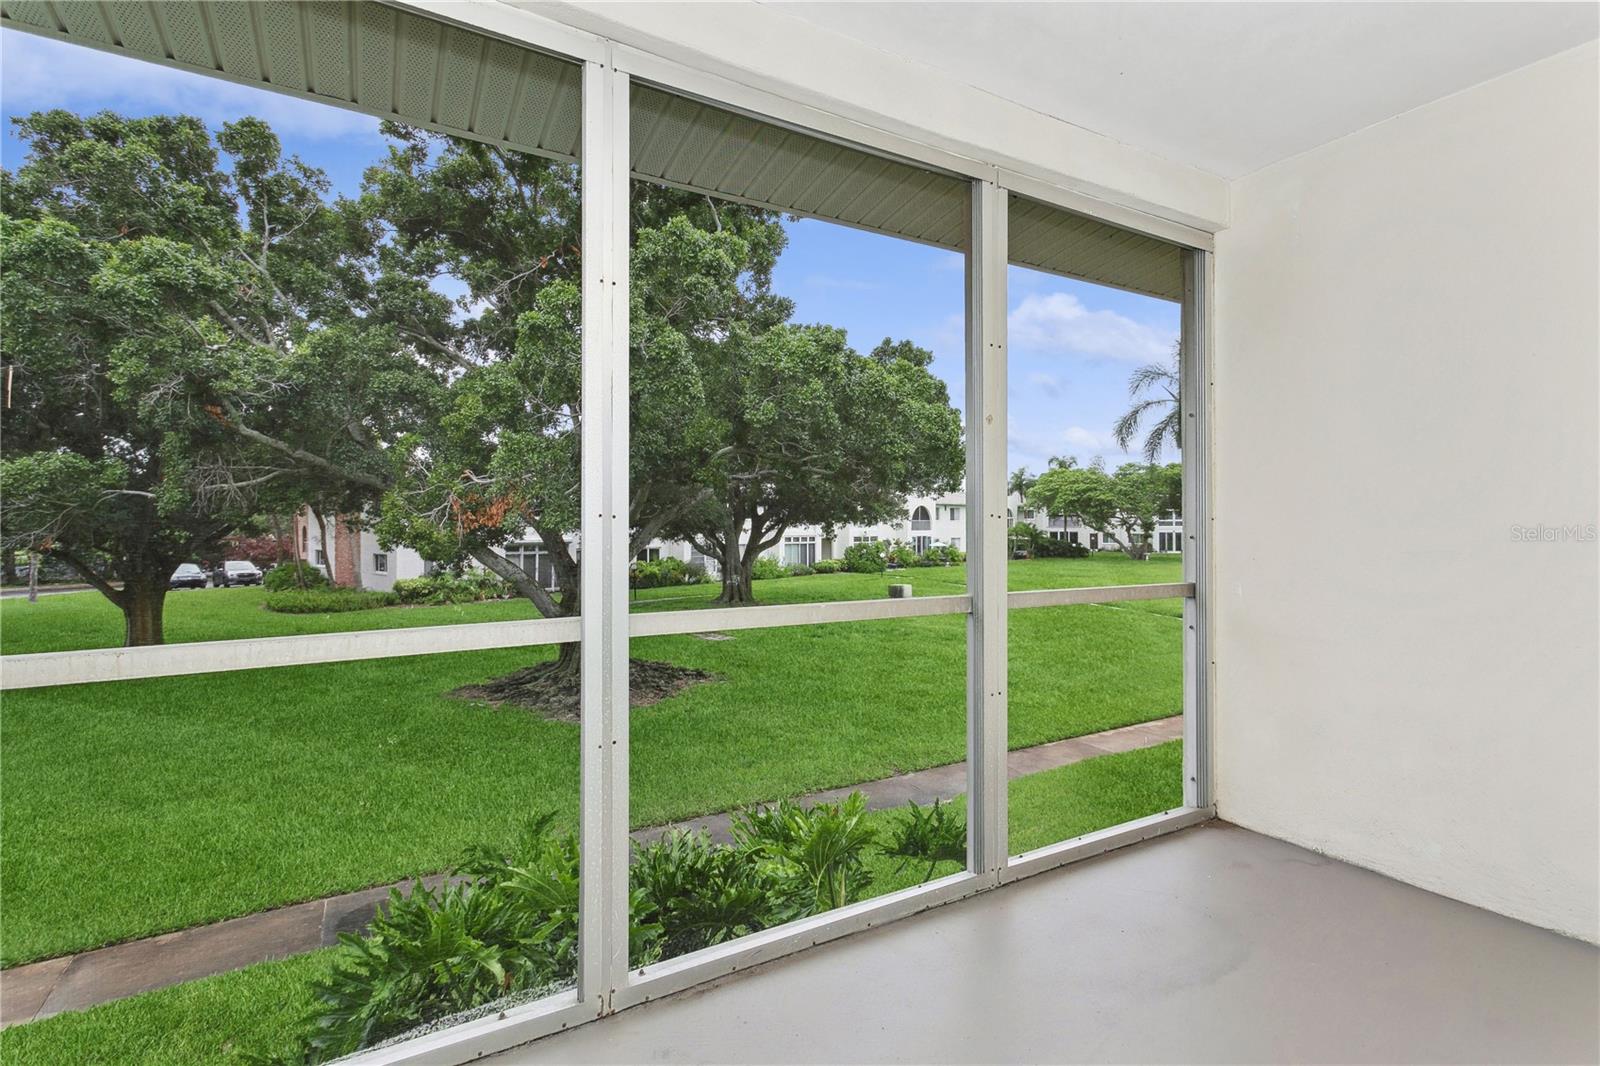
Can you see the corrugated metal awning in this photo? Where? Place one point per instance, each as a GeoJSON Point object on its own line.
{"type": "Point", "coordinates": [1053, 239]}
{"type": "Point", "coordinates": [392, 63]}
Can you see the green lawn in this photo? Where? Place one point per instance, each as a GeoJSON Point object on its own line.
{"type": "Point", "coordinates": [232, 1018]}
{"type": "Point", "coordinates": [139, 807]}
{"type": "Point", "coordinates": [256, 1011]}
{"type": "Point", "coordinates": [88, 620]}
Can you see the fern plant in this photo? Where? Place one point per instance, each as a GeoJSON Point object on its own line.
{"type": "Point", "coordinates": [816, 854]}
{"type": "Point", "coordinates": [503, 924]}
{"type": "Point", "coordinates": [506, 920]}
{"type": "Point", "coordinates": [927, 834]}
{"type": "Point", "coordinates": [698, 893]}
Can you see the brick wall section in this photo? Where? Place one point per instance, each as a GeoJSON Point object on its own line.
{"type": "Point", "coordinates": [346, 552]}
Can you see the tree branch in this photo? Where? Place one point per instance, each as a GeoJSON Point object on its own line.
{"type": "Point", "coordinates": [299, 455]}
{"type": "Point", "coordinates": [105, 588]}
{"type": "Point", "coordinates": [519, 579]}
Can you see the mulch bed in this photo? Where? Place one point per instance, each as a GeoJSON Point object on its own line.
{"type": "Point", "coordinates": [555, 696]}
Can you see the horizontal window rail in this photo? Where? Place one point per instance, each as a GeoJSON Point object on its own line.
{"type": "Point", "coordinates": [42, 669]}
{"type": "Point", "coordinates": [252, 653]}
{"type": "Point", "coordinates": [1097, 594]}
{"type": "Point", "coordinates": [716, 619]}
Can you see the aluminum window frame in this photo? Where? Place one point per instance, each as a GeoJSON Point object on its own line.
{"type": "Point", "coordinates": [605, 981]}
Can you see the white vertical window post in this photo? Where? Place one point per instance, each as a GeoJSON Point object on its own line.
{"type": "Point", "coordinates": [986, 530]}
{"type": "Point", "coordinates": [603, 544]}
{"type": "Point", "coordinates": [1195, 404]}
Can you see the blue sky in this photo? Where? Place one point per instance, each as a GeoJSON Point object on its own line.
{"type": "Point", "coordinates": [1072, 345]}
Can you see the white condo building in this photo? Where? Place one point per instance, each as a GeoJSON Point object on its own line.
{"type": "Point", "coordinates": [928, 521]}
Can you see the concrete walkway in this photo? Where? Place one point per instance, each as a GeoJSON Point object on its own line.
{"type": "Point", "coordinates": [76, 982]}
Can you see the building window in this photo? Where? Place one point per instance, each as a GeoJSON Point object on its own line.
{"type": "Point", "coordinates": [1094, 540]}
{"type": "Point", "coordinates": [799, 551]}
{"type": "Point", "coordinates": [920, 519]}
{"type": "Point", "coordinates": [1072, 537]}
{"type": "Point", "coordinates": [321, 557]}
{"type": "Point", "coordinates": [921, 543]}
{"type": "Point", "coordinates": [649, 555]}
{"type": "Point", "coordinates": [863, 538]}
{"type": "Point", "coordinates": [535, 562]}
{"type": "Point", "coordinates": [380, 562]}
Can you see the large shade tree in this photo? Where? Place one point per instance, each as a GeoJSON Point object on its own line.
{"type": "Point", "coordinates": [808, 430]}
{"type": "Point", "coordinates": [229, 336]}
{"type": "Point", "coordinates": [138, 260]}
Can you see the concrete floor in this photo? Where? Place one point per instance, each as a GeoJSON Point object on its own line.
{"type": "Point", "coordinates": [1211, 945]}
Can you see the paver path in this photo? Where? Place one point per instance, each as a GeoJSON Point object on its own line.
{"type": "Point", "coordinates": [76, 982]}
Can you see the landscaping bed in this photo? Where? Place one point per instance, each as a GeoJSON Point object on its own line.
{"type": "Point", "coordinates": [264, 1011]}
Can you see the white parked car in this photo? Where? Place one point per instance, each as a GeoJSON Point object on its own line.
{"type": "Point", "coordinates": [236, 572]}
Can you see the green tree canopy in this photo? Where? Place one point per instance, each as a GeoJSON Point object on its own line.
{"type": "Point", "coordinates": [150, 291]}
{"type": "Point", "coordinates": [1122, 506]}
{"type": "Point", "coordinates": [804, 429]}
{"type": "Point", "coordinates": [201, 330]}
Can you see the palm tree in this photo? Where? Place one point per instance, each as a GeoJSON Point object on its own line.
{"type": "Point", "coordinates": [1155, 390]}
{"type": "Point", "coordinates": [1020, 482]}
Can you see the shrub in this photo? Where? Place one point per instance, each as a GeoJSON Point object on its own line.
{"type": "Point", "coordinates": [1049, 548]}
{"type": "Point", "coordinates": [816, 853]}
{"type": "Point", "coordinates": [510, 926]}
{"type": "Point", "coordinates": [766, 569]}
{"type": "Point", "coordinates": [802, 570]}
{"type": "Point", "coordinates": [327, 600]}
{"type": "Point", "coordinates": [434, 589]}
{"type": "Point", "coordinates": [827, 566]}
{"type": "Point", "coordinates": [865, 558]}
{"type": "Point", "coordinates": [928, 834]}
{"type": "Point", "coordinates": [506, 922]}
{"type": "Point", "coordinates": [284, 576]}
{"type": "Point", "coordinates": [695, 574]}
{"type": "Point", "coordinates": [1025, 537]}
{"type": "Point", "coordinates": [660, 573]}
{"type": "Point", "coordinates": [694, 893]}
{"type": "Point", "coordinates": [900, 554]}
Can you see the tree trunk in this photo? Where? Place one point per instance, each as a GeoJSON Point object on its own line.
{"type": "Point", "coordinates": [736, 573]}
{"type": "Point", "coordinates": [736, 590]}
{"type": "Point", "coordinates": [553, 687]}
{"type": "Point", "coordinates": [144, 599]}
{"type": "Point", "coordinates": [295, 527]}
{"type": "Point", "coordinates": [327, 549]}
{"type": "Point", "coordinates": [8, 566]}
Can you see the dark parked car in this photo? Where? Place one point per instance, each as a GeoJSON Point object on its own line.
{"type": "Point", "coordinates": [235, 572]}
{"type": "Point", "coordinates": [187, 576]}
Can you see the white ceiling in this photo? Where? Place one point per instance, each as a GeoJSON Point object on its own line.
{"type": "Point", "coordinates": [1225, 87]}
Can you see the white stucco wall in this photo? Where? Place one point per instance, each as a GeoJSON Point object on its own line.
{"type": "Point", "coordinates": [1407, 332]}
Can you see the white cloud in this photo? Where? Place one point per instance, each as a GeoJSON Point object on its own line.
{"type": "Point", "coordinates": [1078, 437]}
{"type": "Point", "coordinates": [1033, 449]}
{"type": "Point", "coordinates": [1058, 324]}
{"type": "Point", "coordinates": [37, 73]}
{"type": "Point", "coordinates": [1048, 385]}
